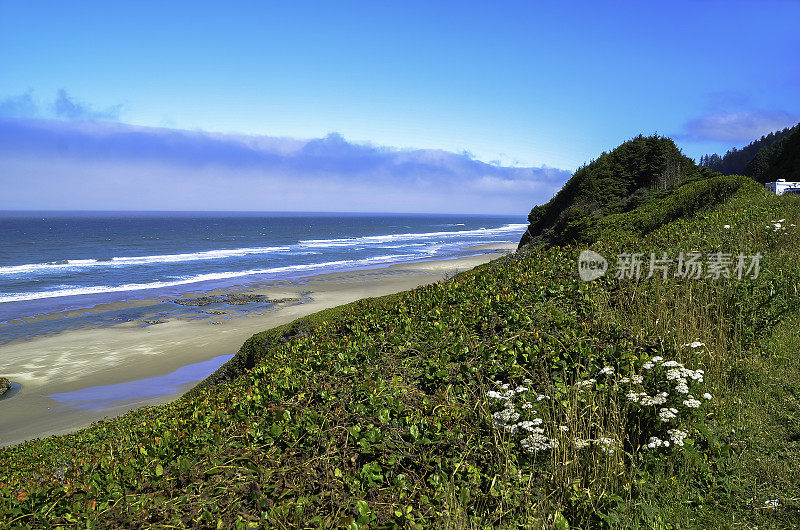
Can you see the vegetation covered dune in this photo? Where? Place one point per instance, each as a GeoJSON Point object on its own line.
{"type": "Point", "coordinates": [513, 394]}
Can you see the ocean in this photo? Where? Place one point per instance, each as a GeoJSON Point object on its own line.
{"type": "Point", "coordinates": [54, 262]}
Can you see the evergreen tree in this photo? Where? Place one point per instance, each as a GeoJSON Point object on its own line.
{"type": "Point", "coordinates": [786, 164]}
{"type": "Point", "coordinates": [753, 159]}
{"type": "Point", "coordinates": [612, 183]}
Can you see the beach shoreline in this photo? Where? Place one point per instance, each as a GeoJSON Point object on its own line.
{"type": "Point", "coordinates": [78, 359]}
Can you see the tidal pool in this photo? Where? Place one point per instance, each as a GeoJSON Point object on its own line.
{"type": "Point", "coordinates": [110, 396]}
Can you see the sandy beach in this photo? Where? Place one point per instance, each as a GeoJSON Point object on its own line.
{"type": "Point", "coordinates": [75, 360]}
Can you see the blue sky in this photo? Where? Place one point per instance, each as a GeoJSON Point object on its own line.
{"type": "Point", "coordinates": [527, 84]}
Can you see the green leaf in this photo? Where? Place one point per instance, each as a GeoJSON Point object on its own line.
{"type": "Point", "coordinates": [560, 522]}
{"type": "Point", "coordinates": [276, 430]}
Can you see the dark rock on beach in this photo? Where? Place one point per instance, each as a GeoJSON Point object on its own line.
{"type": "Point", "coordinates": [232, 299]}
{"type": "Point", "coordinates": [5, 384]}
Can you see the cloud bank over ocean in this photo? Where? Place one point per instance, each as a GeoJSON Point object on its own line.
{"type": "Point", "coordinates": [101, 165]}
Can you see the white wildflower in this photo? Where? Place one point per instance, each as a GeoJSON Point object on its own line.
{"type": "Point", "coordinates": [520, 389]}
{"type": "Point", "coordinates": [682, 388]}
{"type": "Point", "coordinates": [563, 428]}
{"type": "Point", "coordinates": [637, 379]}
{"type": "Point", "coordinates": [677, 436]}
{"type": "Point", "coordinates": [673, 373]}
{"type": "Point", "coordinates": [607, 370]}
{"type": "Point", "coordinates": [580, 443]}
{"type": "Point", "coordinates": [527, 425]}
{"type": "Point", "coordinates": [633, 396]}
{"type": "Point", "coordinates": [695, 344]}
{"type": "Point", "coordinates": [660, 399]}
{"type": "Point", "coordinates": [527, 405]}
{"type": "Point", "coordinates": [648, 365]}
{"type": "Point", "coordinates": [657, 359]}
{"type": "Point", "coordinates": [672, 364]}
{"type": "Point", "coordinates": [666, 414]}
{"type": "Point", "coordinates": [541, 397]}
{"type": "Point", "coordinates": [707, 396]}
{"type": "Point", "coordinates": [691, 403]}
{"type": "Point", "coordinates": [505, 416]}
{"type": "Point", "coordinates": [494, 395]}
{"type": "Point", "coordinates": [537, 442]}
{"type": "Point", "coordinates": [696, 375]}
{"type": "Point", "coordinates": [727, 227]}
{"type": "Point", "coordinates": [625, 380]}
{"type": "Point", "coordinates": [607, 445]}
{"type": "Point", "coordinates": [588, 382]}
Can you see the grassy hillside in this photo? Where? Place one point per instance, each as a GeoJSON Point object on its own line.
{"type": "Point", "coordinates": [513, 394]}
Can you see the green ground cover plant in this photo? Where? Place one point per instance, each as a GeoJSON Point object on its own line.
{"type": "Point", "coordinates": [512, 395]}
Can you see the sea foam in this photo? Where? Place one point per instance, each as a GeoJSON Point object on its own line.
{"type": "Point", "coordinates": [100, 289]}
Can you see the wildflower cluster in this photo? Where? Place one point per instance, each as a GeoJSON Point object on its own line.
{"type": "Point", "coordinates": [534, 437]}
{"type": "Point", "coordinates": [778, 226]}
{"type": "Point", "coordinates": [519, 415]}
{"type": "Point", "coordinates": [663, 396]}
{"type": "Point", "coordinates": [662, 400]}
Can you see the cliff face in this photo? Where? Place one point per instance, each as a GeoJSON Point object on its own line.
{"type": "Point", "coordinates": [613, 183]}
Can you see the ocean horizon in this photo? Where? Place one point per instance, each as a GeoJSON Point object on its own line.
{"type": "Point", "coordinates": [60, 261]}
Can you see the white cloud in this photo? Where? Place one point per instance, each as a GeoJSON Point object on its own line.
{"type": "Point", "coordinates": [100, 165]}
{"type": "Point", "coordinates": [737, 127]}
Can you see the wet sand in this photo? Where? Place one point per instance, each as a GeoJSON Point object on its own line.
{"type": "Point", "coordinates": [76, 360]}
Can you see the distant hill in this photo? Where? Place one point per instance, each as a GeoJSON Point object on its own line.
{"type": "Point", "coordinates": [786, 164]}
{"type": "Point", "coordinates": [614, 183]}
{"type": "Point", "coordinates": [753, 159]}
